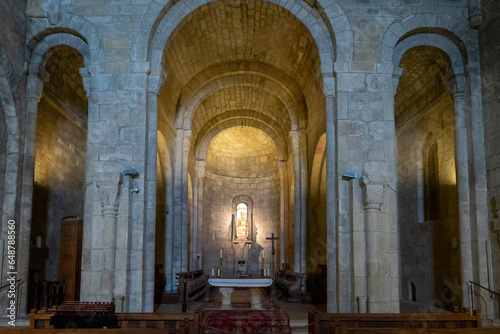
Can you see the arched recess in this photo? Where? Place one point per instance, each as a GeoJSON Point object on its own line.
{"type": "Point", "coordinates": [56, 138]}
{"type": "Point", "coordinates": [470, 139]}
{"type": "Point", "coordinates": [241, 166]}
{"type": "Point", "coordinates": [177, 90]}
{"type": "Point", "coordinates": [425, 109]}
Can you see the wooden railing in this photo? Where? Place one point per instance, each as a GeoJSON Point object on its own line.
{"type": "Point", "coordinates": [196, 284]}
{"type": "Point", "coordinates": [47, 294]}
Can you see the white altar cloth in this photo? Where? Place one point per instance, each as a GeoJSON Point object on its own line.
{"type": "Point", "coordinates": [241, 282]}
{"type": "Point", "coordinates": [226, 285]}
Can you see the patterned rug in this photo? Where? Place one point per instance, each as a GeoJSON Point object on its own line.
{"type": "Point", "coordinates": [244, 321]}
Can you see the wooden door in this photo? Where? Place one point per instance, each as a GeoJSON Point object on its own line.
{"type": "Point", "coordinates": [70, 256]}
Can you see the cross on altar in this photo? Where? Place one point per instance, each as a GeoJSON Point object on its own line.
{"type": "Point", "coordinates": [272, 238]}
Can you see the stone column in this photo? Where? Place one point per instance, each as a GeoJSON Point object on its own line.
{"type": "Point", "coordinates": [480, 201]}
{"type": "Point", "coordinates": [331, 194]}
{"type": "Point", "coordinates": [462, 171]}
{"type": "Point", "coordinates": [359, 244]}
{"type": "Point", "coordinates": [373, 195]}
{"type": "Point", "coordinates": [303, 201]}
{"type": "Point", "coordinates": [34, 94]}
{"type": "Point", "coordinates": [283, 212]}
{"type": "Point", "coordinates": [300, 246]}
{"type": "Point", "coordinates": [456, 87]}
{"type": "Point", "coordinates": [197, 220]}
{"type": "Point", "coordinates": [109, 188]}
{"type": "Point", "coordinates": [150, 191]}
{"type": "Point", "coordinates": [180, 238]}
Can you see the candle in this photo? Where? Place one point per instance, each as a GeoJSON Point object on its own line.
{"type": "Point", "coordinates": [212, 272]}
{"type": "Point", "coordinates": [218, 272]}
{"type": "Point", "coordinates": [221, 253]}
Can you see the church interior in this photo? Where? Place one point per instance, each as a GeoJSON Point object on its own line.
{"type": "Point", "coordinates": [345, 149]}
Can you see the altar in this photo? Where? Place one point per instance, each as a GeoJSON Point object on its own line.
{"type": "Point", "coordinates": [226, 287]}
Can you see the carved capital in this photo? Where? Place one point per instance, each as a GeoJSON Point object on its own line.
{"type": "Point", "coordinates": [109, 187]}
{"type": "Point", "coordinates": [395, 77]}
{"type": "Point", "coordinates": [295, 138]}
{"type": "Point", "coordinates": [329, 86]}
{"type": "Point", "coordinates": [84, 72]}
{"type": "Point", "coordinates": [475, 15]}
{"type": "Point", "coordinates": [373, 191]}
{"type": "Point", "coordinates": [456, 84]}
{"type": "Point", "coordinates": [34, 87]}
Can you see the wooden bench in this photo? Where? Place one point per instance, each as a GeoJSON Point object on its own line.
{"type": "Point", "coordinates": [338, 323]}
{"type": "Point", "coordinates": [178, 323]}
{"type": "Point", "coordinates": [290, 284]}
{"type": "Point", "coordinates": [419, 331]}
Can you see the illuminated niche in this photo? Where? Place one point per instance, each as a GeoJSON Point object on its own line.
{"type": "Point", "coordinates": [242, 219]}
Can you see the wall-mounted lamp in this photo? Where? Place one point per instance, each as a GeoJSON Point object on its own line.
{"type": "Point", "coordinates": [349, 176]}
{"type": "Point", "coordinates": [131, 172]}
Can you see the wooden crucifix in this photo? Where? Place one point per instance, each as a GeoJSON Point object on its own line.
{"type": "Point", "coordinates": [272, 238]}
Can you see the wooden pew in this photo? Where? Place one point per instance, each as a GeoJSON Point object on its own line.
{"type": "Point", "coordinates": [178, 323]}
{"type": "Point", "coordinates": [335, 323]}
{"type": "Point", "coordinates": [419, 331]}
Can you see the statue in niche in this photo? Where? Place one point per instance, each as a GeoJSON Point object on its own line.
{"type": "Point", "coordinates": [242, 227]}
{"type": "Point", "coordinates": [242, 222]}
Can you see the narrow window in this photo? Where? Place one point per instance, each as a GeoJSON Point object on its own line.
{"type": "Point", "coordinates": [413, 292]}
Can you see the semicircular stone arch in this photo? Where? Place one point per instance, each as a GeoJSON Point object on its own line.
{"type": "Point", "coordinates": [252, 115]}
{"type": "Point", "coordinates": [42, 50]}
{"type": "Point", "coordinates": [436, 41]}
{"type": "Point", "coordinates": [451, 28]}
{"type": "Point", "coordinates": [161, 19]}
{"type": "Point", "coordinates": [249, 73]}
{"type": "Point", "coordinates": [230, 93]}
{"type": "Point", "coordinates": [205, 140]}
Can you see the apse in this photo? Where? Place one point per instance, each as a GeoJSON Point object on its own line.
{"type": "Point", "coordinates": [242, 168]}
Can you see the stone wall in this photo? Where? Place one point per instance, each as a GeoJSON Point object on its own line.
{"type": "Point", "coordinates": [219, 193]}
{"type": "Point", "coordinates": [430, 256]}
{"type": "Point", "coordinates": [59, 180]}
{"type": "Point", "coordinates": [12, 103]}
{"type": "Point", "coordinates": [489, 40]}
